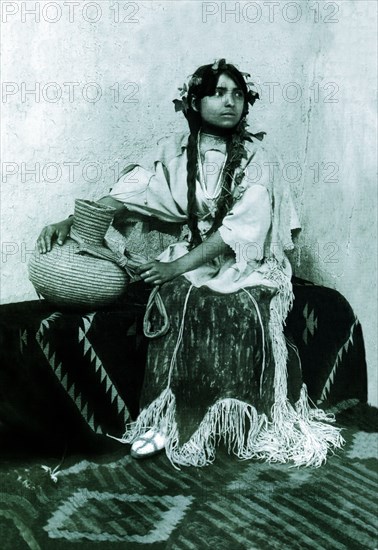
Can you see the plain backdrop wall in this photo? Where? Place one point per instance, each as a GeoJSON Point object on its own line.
{"type": "Point", "coordinates": [88, 86]}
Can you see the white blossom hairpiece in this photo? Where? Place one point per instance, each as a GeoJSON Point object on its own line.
{"type": "Point", "coordinates": [194, 80]}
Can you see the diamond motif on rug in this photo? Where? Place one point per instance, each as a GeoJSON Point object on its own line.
{"type": "Point", "coordinates": [129, 518]}
{"type": "Point", "coordinates": [365, 445]}
{"type": "Point", "coordinates": [311, 323]}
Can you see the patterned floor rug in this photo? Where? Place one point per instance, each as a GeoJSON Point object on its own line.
{"type": "Point", "coordinates": [111, 501]}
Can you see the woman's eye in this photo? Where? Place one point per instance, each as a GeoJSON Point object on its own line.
{"type": "Point", "coordinates": [238, 94]}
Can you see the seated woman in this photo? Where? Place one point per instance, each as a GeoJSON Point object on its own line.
{"type": "Point", "coordinates": [222, 371]}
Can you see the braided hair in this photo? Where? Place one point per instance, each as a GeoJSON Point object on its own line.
{"type": "Point", "coordinates": [203, 83]}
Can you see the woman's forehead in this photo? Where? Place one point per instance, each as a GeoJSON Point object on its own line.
{"type": "Point", "coordinates": [224, 81]}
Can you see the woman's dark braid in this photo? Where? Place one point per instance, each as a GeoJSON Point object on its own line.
{"type": "Point", "coordinates": [192, 182]}
{"type": "Point", "coordinates": [235, 152]}
{"type": "Point", "coordinates": [203, 84]}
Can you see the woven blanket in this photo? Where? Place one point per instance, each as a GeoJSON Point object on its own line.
{"type": "Point", "coordinates": [330, 343]}
{"type": "Point", "coordinates": [113, 502]}
{"type": "Point", "coordinates": [75, 376]}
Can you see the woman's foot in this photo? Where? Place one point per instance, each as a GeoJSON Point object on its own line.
{"type": "Point", "coordinates": [149, 444]}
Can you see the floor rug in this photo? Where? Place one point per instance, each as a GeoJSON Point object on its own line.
{"type": "Point", "coordinates": [111, 501]}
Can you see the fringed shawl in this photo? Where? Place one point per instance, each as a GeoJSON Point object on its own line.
{"type": "Point", "coordinates": [261, 166]}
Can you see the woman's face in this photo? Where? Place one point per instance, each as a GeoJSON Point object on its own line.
{"type": "Point", "coordinates": [225, 108]}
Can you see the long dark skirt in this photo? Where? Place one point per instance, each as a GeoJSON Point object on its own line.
{"type": "Point", "coordinates": [213, 376]}
{"type": "Point", "coordinates": [221, 355]}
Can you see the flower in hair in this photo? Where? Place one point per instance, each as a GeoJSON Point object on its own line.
{"type": "Point", "coordinates": [182, 104]}
{"type": "Point", "coordinates": [194, 80]}
{"type": "Point", "coordinates": [218, 64]}
{"type": "Point", "coordinates": [252, 95]}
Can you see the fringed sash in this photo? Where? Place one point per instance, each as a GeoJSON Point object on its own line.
{"type": "Point", "coordinates": [297, 434]}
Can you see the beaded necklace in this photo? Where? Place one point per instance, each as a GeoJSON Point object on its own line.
{"type": "Point", "coordinates": [211, 199]}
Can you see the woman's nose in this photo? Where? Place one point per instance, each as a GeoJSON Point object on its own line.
{"type": "Point", "coordinates": [229, 100]}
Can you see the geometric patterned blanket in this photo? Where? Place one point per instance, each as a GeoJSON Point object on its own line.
{"type": "Point", "coordinates": [329, 339]}
{"type": "Point", "coordinates": [66, 378]}
{"type": "Point", "coordinates": [112, 502]}
{"type": "Point", "coordinates": [74, 376]}
{"type": "Point", "coordinates": [64, 372]}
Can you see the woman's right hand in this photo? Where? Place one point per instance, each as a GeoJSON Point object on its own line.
{"type": "Point", "coordinates": [51, 232]}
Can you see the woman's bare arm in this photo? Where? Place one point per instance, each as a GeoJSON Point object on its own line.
{"type": "Point", "coordinates": [61, 229]}
{"type": "Point", "coordinates": [160, 272]}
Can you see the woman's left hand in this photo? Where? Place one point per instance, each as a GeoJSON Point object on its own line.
{"type": "Point", "coordinates": [157, 273]}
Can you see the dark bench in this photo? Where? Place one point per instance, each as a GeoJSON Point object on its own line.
{"type": "Point", "coordinates": [71, 377]}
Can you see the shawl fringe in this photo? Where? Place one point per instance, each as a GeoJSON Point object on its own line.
{"type": "Point", "coordinates": [297, 434]}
